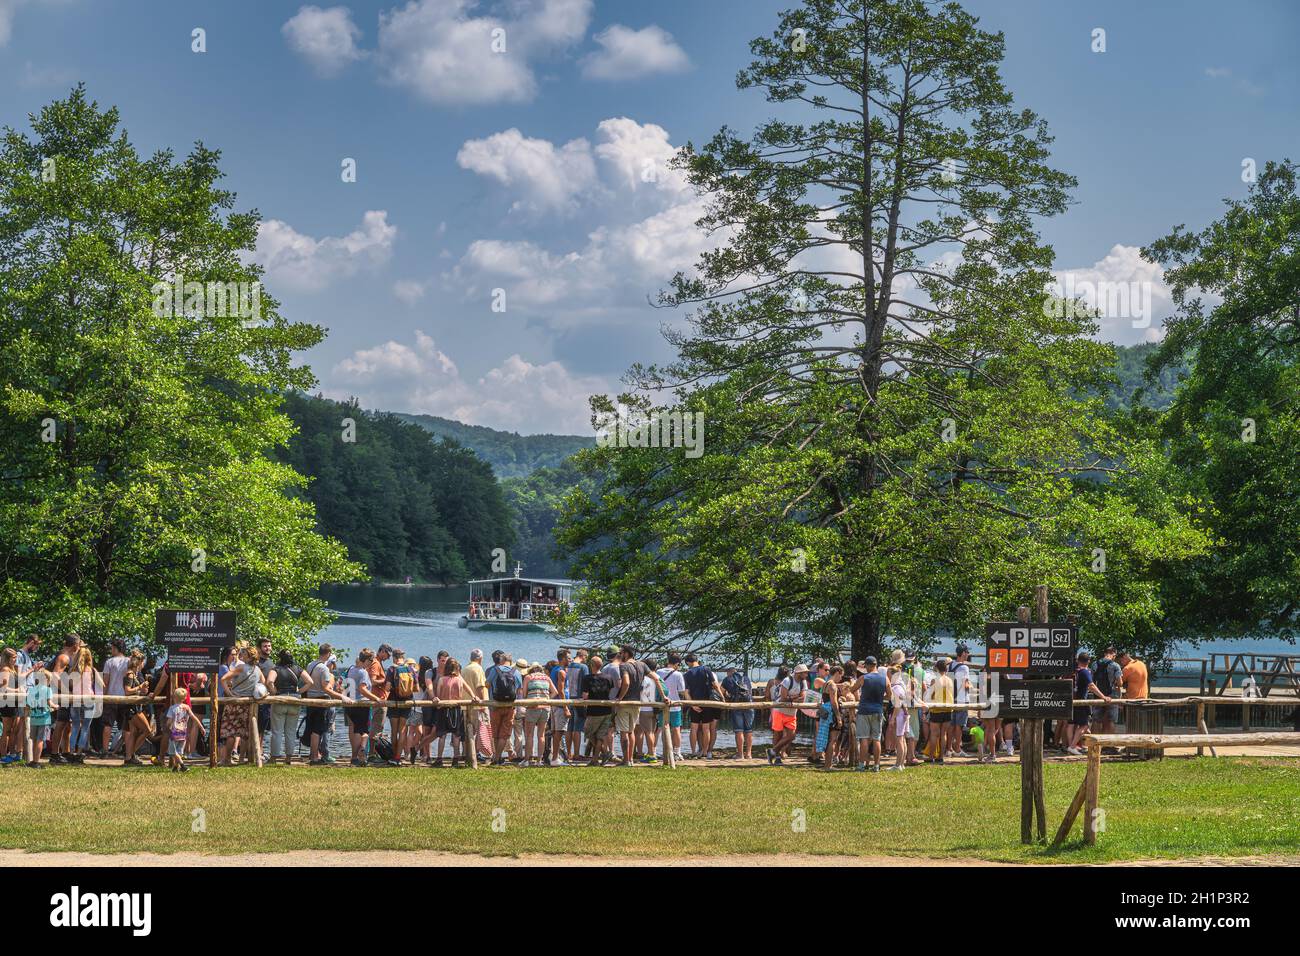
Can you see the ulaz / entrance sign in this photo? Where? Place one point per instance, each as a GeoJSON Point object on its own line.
{"type": "Point", "coordinates": [1037, 699]}
{"type": "Point", "coordinates": [1036, 650]}
{"type": "Point", "coordinates": [194, 639]}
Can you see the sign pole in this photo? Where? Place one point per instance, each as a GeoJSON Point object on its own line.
{"type": "Point", "coordinates": [1032, 801]}
{"type": "Point", "coordinates": [213, 719]}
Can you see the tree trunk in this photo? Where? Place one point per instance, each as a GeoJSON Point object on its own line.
{"type": "Point", "coordinates": [865, 631]}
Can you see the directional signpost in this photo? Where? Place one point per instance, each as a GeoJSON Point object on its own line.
{"type": "Point", "coordinates": [1033, 650]}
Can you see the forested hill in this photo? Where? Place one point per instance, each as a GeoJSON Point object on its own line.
{"type": "Point", "coordinates": [511, 455]}
{"type": "Point", "coordinates": [401, 500]}
{"type": "Point", "coordinates": [1130, 369]}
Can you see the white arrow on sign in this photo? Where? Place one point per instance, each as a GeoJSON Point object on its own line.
{"type": "Point", "coordinates": [998, 637]}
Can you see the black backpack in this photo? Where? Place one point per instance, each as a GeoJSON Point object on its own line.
{"type": "Point", "coordinates": [383, 747]}
{"type": "Point", "coordinates": [503, 688]}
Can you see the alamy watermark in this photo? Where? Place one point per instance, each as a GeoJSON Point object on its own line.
{"type": "Point", "coordinates": [210, 299]}
{"type": "Point", "coordinates": [661, 429]}
{"type": "Point", "coordinates": [1072, 298]}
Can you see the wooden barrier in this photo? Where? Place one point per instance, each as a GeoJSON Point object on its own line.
{"type": "Point", "coordinates": [1086, 798]}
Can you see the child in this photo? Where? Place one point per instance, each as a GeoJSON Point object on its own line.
{"type": "Point", "coordinates": [178, 719]}
{"type": "Point", "coordinates": [38, 711]}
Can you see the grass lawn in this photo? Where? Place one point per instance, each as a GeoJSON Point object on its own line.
{"type": "Point", "coordinates": [1171, 808]}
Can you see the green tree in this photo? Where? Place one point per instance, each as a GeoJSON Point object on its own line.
{"type": "Point", "coordinates": [1234, 426]}
{"type": "Point", "coordinates": [903, 430]}
{"type": "Point", "coordinates": [134, 436]}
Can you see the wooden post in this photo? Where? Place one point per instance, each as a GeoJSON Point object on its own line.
{"type": "Point", "coordinates": [1200, 724]}
{"type": "Point", "coordinates": [214, 719]}
{"type": "Point", "coordinates": [1032, 800]}
{"type": "Point", "coordinates": [254, 754]}
{"type": "Point", "coordinates": [1091, 783]}
{"type": "Point", "coordinates": [471, 732]}
{"type": "Point", "coordinates": [1075, 806]}
{"type": "Point", "coordinates": [670, 758]}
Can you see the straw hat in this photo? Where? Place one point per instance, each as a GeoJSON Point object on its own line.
{"type": "Point", "coordinates": [897, 658]}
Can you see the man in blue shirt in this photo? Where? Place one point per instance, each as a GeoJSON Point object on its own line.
{"type": "Point", "coordinates": [503, 683]}
{"type": "Point", "coordinates": [871, 689]}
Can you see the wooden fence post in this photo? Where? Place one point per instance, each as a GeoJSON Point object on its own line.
{"type": "Point", "coordinates": [1091, 783]}
{"type": "Point", "coordinates": [214, 708]}
{"type": "Point", "coordinates": [470, 739]}
{"type": "Point", "coordinates": [670, 758]}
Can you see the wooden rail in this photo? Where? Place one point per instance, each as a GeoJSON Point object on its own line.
{"type": "Point", "coordinates": [1086, 798]}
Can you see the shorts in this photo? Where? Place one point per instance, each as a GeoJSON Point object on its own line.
{"type": "Point", "coordinates": [647, 721]}
{"type": "Point", "coordinates": [38, 733]}
{"type": "Point", "coordinates": [398, 713]}
{"type": "Point", "coordinates": [559, 720]}
{"type": "Point", "coordinates": [625, 720]}
{"type": "Point", "coordinates": [869, 726]}
{"type": "Point", "coordinates": [1106, 712]}
{"type": "Point", "coordinates": [705, 715]}
{"type": "Point", "coordinates": [320, 719]}
{"type": "Point", "coordinates": [503, 721]}
{"type": "Point", "coordinates": [8, 713]}
{"type": "Point", "coordinates": [110, 714]}
{"type": "Point", "coordinates": [782, 721]}
{"type": "Point", "coordinates": [960, 718]}
{"type": "Point", "coordinates": [263, 717]}
{"type": "Point", "coordinates": [675, 717]}
{"type": "Point", "coordinates": [359, 720]}
{"type": "Point", "coordinates": [903, 724]}
{"type": "Point", "coordinates": [914, 725]}
{"type": "Point", "coordinates": [742, 721]}
{"type": "Point", "coordinates": [176, 747]}
{"type": "Point", "coordinates": [63, 715]}
{"type": "Point", "coordinates": [598, 725]}
{"type": "Point", "coordinates": [941, 717]}
{"type": "Point", "coordinates": [448, 720]}
{"type": "Point", "coordinates": [577, 719]}
{"type": "Point", "coordinates": [428, 716]}
{"type": "Point", "coordinates": [1080, 717]}
{"type": "Point", "coordinates": [537, 715]}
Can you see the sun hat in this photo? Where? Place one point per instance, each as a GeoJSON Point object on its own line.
{"type": "Point", "coordinates": [896, 658]}
{"type": "Point", "coordinates": [801, 668]}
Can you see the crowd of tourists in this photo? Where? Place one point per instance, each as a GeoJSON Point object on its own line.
{"type": "Point", "coordinates": [62, 708]}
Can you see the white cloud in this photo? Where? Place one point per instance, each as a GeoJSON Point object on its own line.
{"type": "Point", "coordinates": [409, 291]}
{"type": "Point", "coordinates": [639, 153]}
{"type": "Point", "coordinates": [549, 178]}
{"type": "Point", "coordinates": [442, 52]}
{"type": "Point", "coordinates": [40, 77]}
{"type": "Point", "coordinates": [7, 10]}
{"type": "Point", "coordinates": [1129, 291]}
{"type": "Point", "coordinates": [517, 394]}
{"type": "Point", "coordinates": [647, 231]}
{"type": "Point", "coordinates": [326, 38]}
{"type": "Point", "coordinates": [628, 54]}
{"type": "Point", "coordinates": [302, 263]}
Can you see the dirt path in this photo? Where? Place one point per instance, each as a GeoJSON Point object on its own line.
{"type": "Point", "coordinates": [431, 858]}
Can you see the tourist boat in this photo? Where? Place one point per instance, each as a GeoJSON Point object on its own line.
{"type": "Point", "coordinates": [516, 603]}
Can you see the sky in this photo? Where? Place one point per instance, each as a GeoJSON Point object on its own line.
{"type": "Point", "coordinates": [523, 169]}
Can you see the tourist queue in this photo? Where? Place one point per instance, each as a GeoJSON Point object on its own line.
{"type": "Point", "coordinates": [53, 711]}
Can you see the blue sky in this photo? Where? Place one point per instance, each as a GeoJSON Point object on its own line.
{"type": "Point", "coordinates": [522, 171]}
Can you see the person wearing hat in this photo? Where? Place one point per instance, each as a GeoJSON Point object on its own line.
{"type": "Point", "coordinates": [903, 691]}
{"type": "Point", "coordinates": [790, 690]}
{"type": "Point", "coordinates": [871, 688]}
{"type": "Point", "coordinates": [320, 720]}
{"type": "Point", "coordinates": [959, 671]}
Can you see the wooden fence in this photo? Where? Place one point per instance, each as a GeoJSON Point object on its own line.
{"type": "Point", "coordinates": [1088, 794]}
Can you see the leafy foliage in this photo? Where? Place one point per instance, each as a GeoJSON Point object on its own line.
{"type": "Point", "coordinates": [904, 434]}
{"type": "Point", "coordinates": [402, 502]}
{"type": "Point", "coordinates": [511, 455]}
{"type": "Point", "coordinates": [1234, 426]}
{"type": "Point", "coordinates": [162, 420]}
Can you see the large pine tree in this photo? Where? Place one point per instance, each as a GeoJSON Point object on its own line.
{"type": "Point", "coordinates": [902, 432]}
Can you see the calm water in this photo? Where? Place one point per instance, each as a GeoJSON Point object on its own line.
{"type": "Point", "coordinates": [421, 621]}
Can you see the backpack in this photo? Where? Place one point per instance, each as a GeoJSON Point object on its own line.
{"type": "Point", "coordinates": [403, 682]}
{"type": "Point", "coordinates": [739, 688]}
{"type": "Point", "coordinates": [503, 688]}
{"type": "Point", "coordinates": [383, 747]}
